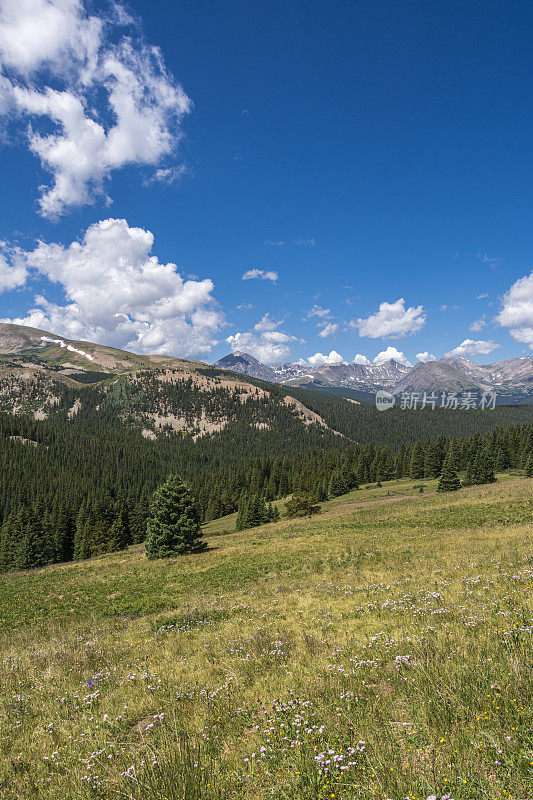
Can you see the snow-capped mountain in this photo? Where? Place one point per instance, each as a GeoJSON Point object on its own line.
{"type": "Point", "coordinates": [511, 379]}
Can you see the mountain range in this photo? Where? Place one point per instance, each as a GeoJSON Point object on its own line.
{"type": "Point", "coordinates": [512, 380]}
{"type": "Point", "coordinates": [219, 413]}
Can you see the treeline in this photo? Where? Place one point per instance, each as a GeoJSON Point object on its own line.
{"type": "Point", "coordinates": [66, 493]}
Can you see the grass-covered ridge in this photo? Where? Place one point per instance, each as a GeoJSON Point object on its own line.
{"type": "Point", "coordinates": [382, 649]}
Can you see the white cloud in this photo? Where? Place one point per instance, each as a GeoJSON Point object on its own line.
{"type": "Point", "coordinates": [393, 320]}
{"type": "Point", "coordinates": [167, 175]}
{"type": "Point", "coordinates": [318, 311]}
{"type": "Point", "coordinates": [477, 325]}
{"type": "Point", "coordinates": [517, 310]}
{"type": "Point", "coordinates": [267, 324]}
{"type": "Point", "coordinates": [13, 271]}
{"type": "Point", "coordinates": [473, 348]}
{"type": "Point", "coordinates": [260, 274]}
{"type": "Point", "coordinates": [305, 242]}
{"type": "Point", "coordinates": [391, 352]}
{"type": "Point", "coordinates": [319, 360]}
{"type": "Point", "coordinates": [425, 356]}
{"type": "Point", "coordinates": [360, 359]}
{"type": "Point", "coordinates": [45, 33]}
{"type": "Point", "coordinates": [119, 294]}
{"type": "Point", "coordinates": [269, 347]}
{"type": "Point", "coordinates": [328, 330]}
{"type": "Point", "coordinates": [264, 342]}
{"type": "Point", "coordinates": [61, 64]}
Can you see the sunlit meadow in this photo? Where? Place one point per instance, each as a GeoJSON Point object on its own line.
{"type": "Point", "coordinates": [380, 650]}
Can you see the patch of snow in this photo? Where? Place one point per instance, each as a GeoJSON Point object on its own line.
{"type": "Point", "coordinates": [69, 347]}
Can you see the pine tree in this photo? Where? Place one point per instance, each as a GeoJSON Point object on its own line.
{"type": "Point", "coordinates": [432, 465]}
{"type": "Point", "coordinates": [481, 469]}
{"type": "Point", "coordinates": [529, 467]}
{"type": "Point", "coordinates": [502, 460]}
{"type": "Point", "coordinates": [118, 535]}
{"type": "Point", "coordinates": [302, 505]}
{"type": "Point", "coordinates": [82, 533]}
{"type": "Point", "coordinates": [273, 513]}
{"type": "Point", "coordinates": [416, 469]}
{"type": "Point", "coordinates": [449, 480]}
{"type": "Point", "coordinates": [139, 518]}
{"type": "Point", "coordinates": [174, 523]}
{"type": "Point", "coordinates": [62, 534]}
{"type": "Point", "coordinates": [7, 544]}
{"type": "Point", "coordinates": [338, 484]}
{"type": "Point", "coordinates": [242, 513]}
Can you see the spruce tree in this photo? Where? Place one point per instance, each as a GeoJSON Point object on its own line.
{"type": "Point", "coordinates": [416, 469]}
{"type": "Point", "coordinates": [301, 505]}
{"type": "Point", "coordinates": [338, 484]}
{"type": "Point", "coordinates": [449, 480]}
{"type": "Point", "coordinates": [242, 513]}
{"type": "Point", "coordinates": [174, 523]}
{"type": "Point", "coordinates": [82, 533]}
{"type": "Point", "coordinates": [139, 518]}
{"type": "Point", "coordinates": [529, 467]}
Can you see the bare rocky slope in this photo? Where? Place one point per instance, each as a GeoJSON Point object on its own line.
{"type": "Point", "coordinates": [512, 379]}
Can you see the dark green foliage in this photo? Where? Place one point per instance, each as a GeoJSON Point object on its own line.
{"type": "Point", "coordinates": [449, 480]}
{"type": "Point", "coordinates": [481, 469]}
{"type": "Point", "coordinates": [529, 467]}
{"type": "Point", "coordinates": [416, 469]}
{"type": "Point", "coordinates": [173, 526]}
{"type": "Point", "coordinates": [338, 484]}
{"type": "Point", "coordinates": [253, 511]}
{"type": "Point", "coordinates": [139, 518]}
{"type": "Point", "coordinates": [302, 505]}
{"type": "Point", "coordinates": [84, 486]}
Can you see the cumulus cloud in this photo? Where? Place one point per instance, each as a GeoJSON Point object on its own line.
{"type": "Point", "coordinates": [361, 359]}
{"type": "Point", "coordinates": [392, 320]}
{"type": "Point", "coordinates": [425, 356]}
{"type": "Point", "coordinates": [267, 324]}
{"type": "Point", "coordinates": [96, 101]}
{"type": "Point", "coordinates": [517, 310]}
{"type": "Point", "coordinates": [391, 352]}
{"type": "Point", "coordinates": [477, 325]}
{"type": "Point", "coordinates": [330, 329]}
{"type": "Point", "coordinates": [469, 347]}
{"type": "Point", "coordinates": [269, 346]}
{"type": "Point", "coordinates": [260, 274]}
{"type": "Point", "coordinates": [319, 360]}
{"type": "Point", "coordinates": [118, 293]}
{"type": "Point", "coordinates": [13, 270]}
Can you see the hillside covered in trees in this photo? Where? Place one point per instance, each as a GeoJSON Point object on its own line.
{"type": "Point", "coordinates": [87, 433]}
{"type": "Point", "coordinates": [70, 490]}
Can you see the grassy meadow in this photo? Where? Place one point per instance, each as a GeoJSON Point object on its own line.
{"type": "Point", "coordinates": [379, 650]}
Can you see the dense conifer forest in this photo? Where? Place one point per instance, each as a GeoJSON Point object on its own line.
{"type": "Point", "coordinates": [73, 487]}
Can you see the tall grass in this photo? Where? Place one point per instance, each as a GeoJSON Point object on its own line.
{"type": "Point", "coordinates": [380, 650]}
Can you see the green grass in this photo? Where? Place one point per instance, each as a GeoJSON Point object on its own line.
{"type": "Point", "coordinates": [391, 634]}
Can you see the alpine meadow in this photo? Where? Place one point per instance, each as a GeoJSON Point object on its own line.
{"type": "Point", "coordinates": [266, 400]}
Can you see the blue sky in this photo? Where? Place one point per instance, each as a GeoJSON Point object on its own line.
{"type": "Point", "coordinates": [368, 165]}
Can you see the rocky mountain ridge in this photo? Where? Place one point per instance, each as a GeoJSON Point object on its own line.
{"type": "Point", "coordinates": [511, 379]}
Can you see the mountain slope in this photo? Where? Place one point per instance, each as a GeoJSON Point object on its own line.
{"type": "Point", "coordinates": [246, 365]}
{"type": "Point", "coordinates": [47, 376]}
{"type": "Point", "coordinates": [512, 380]}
